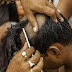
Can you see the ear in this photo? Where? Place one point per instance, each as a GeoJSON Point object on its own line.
{"type": "Point", "coordinates": [54, 50]}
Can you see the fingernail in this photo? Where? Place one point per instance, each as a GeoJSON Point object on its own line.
{"type": "Point", "coordinates": [62, 20]}
{"type": "Point", "coordinates": [56, 20]}
{"type": "Point", "coordinates": [58, 10]}
{"type": "Point", "coordinates": [35, 29]}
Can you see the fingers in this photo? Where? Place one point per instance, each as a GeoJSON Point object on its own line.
{"type": "Point", "coordinates": [19, 54]}
{"type": "Point", "coordinates": [28, 51]}
{"type": "Point", "coordinates": [19, 8]}
{"type": "Point", "coordinates": [54, 18]}
{"type": "Point", "coordinates": [45, 9]}
{"type": "Point", "coordinates": [48, 11]}
{"type": "Point", "coordinates": [50, 4]}
{"type": "Point", "coordinates": [59, 16]}
{"type": "Point", "coordinates": [32, 20]}
{"type": "Point", "coordinates": [24, 47]}
{"type": "Point", "coordinates": [57, 12]}
{"type": "Point", "coordinates": [35, 59]}
{"type": "Point", "coordinates": [39, 66]}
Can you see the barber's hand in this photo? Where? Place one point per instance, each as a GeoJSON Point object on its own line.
{"type": "Point", "coordinates": [19, 8]}
{"type": "Point", "coordinates": [20, 63]}
{"type": "Point", "coordinates": [41, 6]}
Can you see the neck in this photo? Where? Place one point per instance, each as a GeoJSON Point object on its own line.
{"type": "Point", "coordinates": [65, 10]}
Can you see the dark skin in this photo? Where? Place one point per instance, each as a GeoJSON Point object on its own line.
{"type": "Point", "coordinates": [57, 54]}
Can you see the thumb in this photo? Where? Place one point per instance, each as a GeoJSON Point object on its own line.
{"type": "Point", "coordinates": [32, 20]}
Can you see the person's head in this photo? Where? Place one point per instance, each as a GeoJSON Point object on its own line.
{"type": "Point", "coordinates": [53, 40]}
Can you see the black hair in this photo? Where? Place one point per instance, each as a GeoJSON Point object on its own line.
{"type": "Point", "coordinates": [50, 33]}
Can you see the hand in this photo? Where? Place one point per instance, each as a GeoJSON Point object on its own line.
{"type": "Point", "coordinates": [20, 63]}
{"type": "Point", "coordinates": [41, 6]}
{"type": "Point", "coordinates": [19, 8]}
